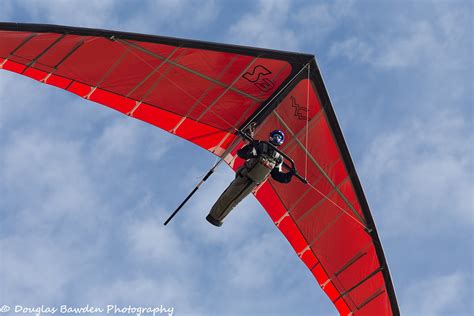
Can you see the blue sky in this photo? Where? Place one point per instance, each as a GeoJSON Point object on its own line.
{"type": "Point", "coordinates": [85, 189]}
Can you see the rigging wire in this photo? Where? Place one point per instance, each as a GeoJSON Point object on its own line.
{"type": "Point", "coordinates": [339, 207]}
{"type": "Point", "coordinates": [307, 66]}
{"type": "Point", "coordinates": [307, 124]}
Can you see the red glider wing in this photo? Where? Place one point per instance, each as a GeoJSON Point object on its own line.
{"type": "Point", "coordinates": [205, 92]}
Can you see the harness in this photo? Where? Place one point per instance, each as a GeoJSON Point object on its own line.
{"type": "Point", "coordinates": [259, 168]}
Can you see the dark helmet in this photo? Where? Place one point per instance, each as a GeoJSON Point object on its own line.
{"type": "Point", "coordinates": [277, 137]}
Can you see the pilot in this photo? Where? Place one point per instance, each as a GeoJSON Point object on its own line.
{"type": "Point", "coordinates": [261, 162]}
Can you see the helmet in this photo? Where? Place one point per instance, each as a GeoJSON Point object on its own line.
{"type": "Point", "coordinates": [277, 137]}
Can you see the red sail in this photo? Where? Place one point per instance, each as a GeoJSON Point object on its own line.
{"type": "Point", "coordinates": [324, 220]}
{"type": "Point", "coordinates": [205, 92]}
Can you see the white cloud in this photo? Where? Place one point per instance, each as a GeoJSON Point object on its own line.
{"type": "Point", "coordinates": [317, 20]}
{"type": "Point", "coordinates": [94, 13]}
{"type": "Point", "coordinates": [185, 12]}
{"type": "Point", "coordinates": [28, 272]}
{"type": "Point", "coordinates": [422, 175]}
{"type": "Point", "coordinates": [352, 49]}
{"type": "Point", "coordinates": [433, 40]}
{"type": "Point", "coordinates": [126, 138]}
{"type": "Point", "coordinates": [289, 25]}
{"type": "Point", "coordinates": [267, 27]}
{"type": "Point", "coordinates": [437, 296]}
{"type": "Point", "coordinates": [54, 168]}
{"type": "Point", "coordinates": [7, 11]}
{"type": "Point", "coordinates": [72, 152]}
{"type": "Point", "coordinates": [418, 175]}
{"type": "Point", "coordinates": [248, 265]}
{"type": "Point", "coordinates": [151, 241]}
{"type": "Point", "coordinates": [144, 16]}
{"type": "Point", "coordinates": [409, 48]}
{"type": "Point", "coordinates": [171, 17]}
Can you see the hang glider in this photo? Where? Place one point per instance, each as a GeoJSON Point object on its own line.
{"type": "Point", "coordinates": [206, 93]}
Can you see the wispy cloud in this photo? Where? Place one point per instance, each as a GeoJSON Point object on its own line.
{"type": "Point", "coordinates": [170, 17]}
{"type": "Point", "coordinates": [440, 295]}
{"type": "Point", "coordinates": [403, 50]}
{"type": "Point", "coordinates": [146, 16]}
{"type": "Point", "coordinates": [315, 22]}
{"type": "Point", "coordinates": [422, 171]}
{"type": "Point", "coordinates": [49, 165]}
{"type": "Point", "coordinates": [248, 266]}
{"type": "Point", "coordinates": [150, 242]}
{"type": "Point", "coordinates": [289, 25]}
{"type": "Point", "coordinates": [411, 42]}
{"type": "Point", "coordinates": [35, 268]}
{"type": "Point", "coordinates": [95, 13]}
{"type": "Point", "coordinates": [422, 168]}
{"type": "Point", "coordinates": [266, 27]}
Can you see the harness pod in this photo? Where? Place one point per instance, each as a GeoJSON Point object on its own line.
{"type": "Point", "coordinates": [254, 172]}
{"type": "Point", "coordinates": [259, 168]}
